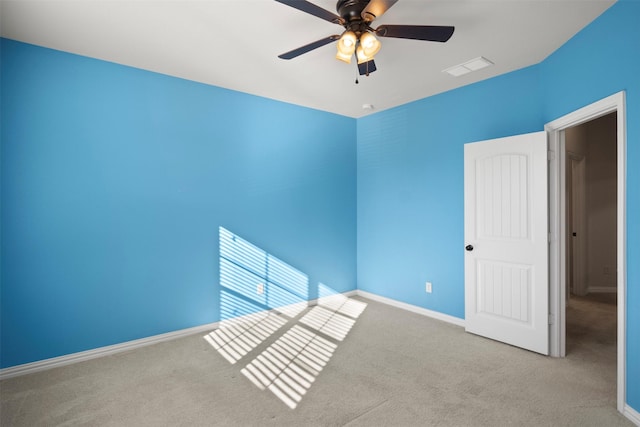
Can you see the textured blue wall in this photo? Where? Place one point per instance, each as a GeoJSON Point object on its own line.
{"type": "Point", "coordinates": [410, 185]}
{"type": "Point", "coordinates": [601, 60]}
{"type": "Point", "coordinates": [410, 167]}
{"type": "Point", "coordinates": [115, 182]}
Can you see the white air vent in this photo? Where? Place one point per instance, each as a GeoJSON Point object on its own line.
{"type": "Point", "coordinates": [469, 66]}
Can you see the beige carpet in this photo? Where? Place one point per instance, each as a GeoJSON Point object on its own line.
{"type": "Point", "coordinates": [344, 363]}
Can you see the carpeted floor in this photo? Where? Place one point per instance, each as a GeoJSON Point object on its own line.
{"type": "Point", "coordinates": [349, 362]}
{"type": "Point", "coordinates": [591, 327]}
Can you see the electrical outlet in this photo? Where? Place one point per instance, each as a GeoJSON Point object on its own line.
{"type": "Point", "coordinates": [260, 288]}
{"type": "Point", "coordinates": [428, 287]}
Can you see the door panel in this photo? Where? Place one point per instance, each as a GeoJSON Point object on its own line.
{"type": "Point", "coordinates": [506, 262]}
{"type": "Point", "coordinates": [504, 290]}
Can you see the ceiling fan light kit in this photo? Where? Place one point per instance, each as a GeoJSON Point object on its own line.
{"type": "Point", "coordinates": [367, 47]}
{"type": "Point", "coordinates": [361, 56]}
{"type": "Point", "coordinates": [370, 44]}
{"type": "Point", "coordinates": [356, 17]}
{"type": "Point", "coordinates": [346, 46]}
{"type": "Point", "coordinates": [344, 57]}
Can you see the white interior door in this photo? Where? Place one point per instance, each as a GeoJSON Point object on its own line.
{"type": "Point", "coordinates": [506, 238]}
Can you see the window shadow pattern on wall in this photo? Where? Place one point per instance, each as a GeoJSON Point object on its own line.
{"type": "Point", "coordinates": [253, 280]}
{"type": "Point", "coordinates": [259, 295]}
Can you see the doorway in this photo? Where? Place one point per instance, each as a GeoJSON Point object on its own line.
{"type": "Point", "coordinates": [614, 268]}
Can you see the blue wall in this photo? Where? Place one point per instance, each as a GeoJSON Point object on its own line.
{"type": "Point", "coordinates": [410, 185]}
{"type": "Point", "coordinates": [410, 166]}
{"type": "Point", "coordinates": [115, 182]}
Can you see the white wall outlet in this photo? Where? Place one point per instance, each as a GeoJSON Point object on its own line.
{"type": "Point", "coordinates": [260, 288]}
{"type": "Point", "coordinates": [428, 287]}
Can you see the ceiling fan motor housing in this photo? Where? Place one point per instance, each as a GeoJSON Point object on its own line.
{"type": "Point", "coordinates": [351, 12]}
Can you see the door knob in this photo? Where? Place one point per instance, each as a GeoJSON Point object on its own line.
{"type": "Point", "coordinates": [469, 248]}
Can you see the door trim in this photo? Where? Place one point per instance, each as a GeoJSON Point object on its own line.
{"type": "Point", "coordinates": [557, 210]}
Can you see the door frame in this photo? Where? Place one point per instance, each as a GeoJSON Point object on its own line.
{"type": "Point", "coordinates": [557, 228]}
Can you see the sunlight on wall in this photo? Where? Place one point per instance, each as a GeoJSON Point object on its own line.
{"type": "Point", "coordinates": [259, 279]}
{"type": "Point", "coordinates": [259, 295]}
{"type": "Point", "coordinates": [252, 282]}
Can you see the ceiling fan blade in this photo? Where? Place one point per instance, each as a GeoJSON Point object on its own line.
{"type": "Point", "coordinates": [376, 8]}
{"type": "Point", "coordinates": [431, 33]}
{"type": "Point", "coordinates": [312, 9]}
{"type": "Point", "coordinates": [308, 47]}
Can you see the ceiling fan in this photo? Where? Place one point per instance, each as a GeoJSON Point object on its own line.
{"type": "Point", "coordinates": [358, 37]}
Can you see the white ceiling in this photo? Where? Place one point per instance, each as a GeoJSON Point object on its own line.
{"type": "Point", "coordinates": [235, 43]}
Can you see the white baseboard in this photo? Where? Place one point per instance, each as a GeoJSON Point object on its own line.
{"type": "Point", "coordinates": [346, 294]}
{"type": "Point", "coordinates": [68, 359]}
{"type": "Point", "coordinates": [632, 415]}
{"type": "Point", "coordinates": [413, 308]}
{"type": "Point", "coordinates": [602, 289]}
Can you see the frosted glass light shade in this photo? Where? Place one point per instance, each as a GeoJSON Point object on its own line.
{"type": "Point", "coordinates": [346, 46]}
{"type": "Point", "coordinates": [362, 56]}
{"type": "Point", "coordinates": [370, 44]}
{"type": "Point", "coordinates": [344, 57]}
